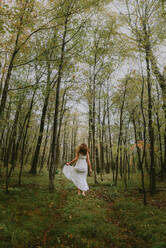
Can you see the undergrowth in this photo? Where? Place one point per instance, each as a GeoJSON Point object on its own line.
{"type": "Point", "coordinates": [31, 217]}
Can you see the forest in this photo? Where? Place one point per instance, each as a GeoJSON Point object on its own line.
{"type": "Point", "coordinates": [73, 72]}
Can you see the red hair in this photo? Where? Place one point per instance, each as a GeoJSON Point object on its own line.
{"type": "Point", "coordinates": [83, 149]}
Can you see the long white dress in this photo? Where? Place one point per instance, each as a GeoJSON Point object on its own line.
{"type": "Point", "coordinates": [77, 177]}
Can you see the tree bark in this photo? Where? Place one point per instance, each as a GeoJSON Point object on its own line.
{"type": "Point", "coordinates": [110, 136]}
{"type": "Point", "coordinates": [25, 136]}
{"type": "Point", "coordinates": [94, 120]}
{"type": "Point", "coordinates": [45, 146]}
{"type": "Point", "coordinates": [150, 124]}
{"type": "Point", "coordinates": [55, 126]}
{"type": "Point", "coordinates": [120, 132]}
{"type": "Point", "coordinates": [33, 169]}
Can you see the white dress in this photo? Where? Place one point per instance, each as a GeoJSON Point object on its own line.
{"type": "Point", "coordinates": [75, 174]}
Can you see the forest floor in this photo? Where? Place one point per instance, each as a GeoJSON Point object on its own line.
{"type": "Point", "coordinates": [108, 217]}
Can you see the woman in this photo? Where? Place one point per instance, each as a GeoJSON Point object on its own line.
{"type": "Point", "coordinates": [78, 174]}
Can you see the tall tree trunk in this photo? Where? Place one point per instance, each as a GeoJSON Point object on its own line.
{"type": "Point", "coordinates": [140, 161]}
{"type": "Point", "coordinates": [62, 112]}
{"type": "Point", "coordinates": [11, 143]}
{"type": "Point", "coordinates": [55, 126]}
{"type": "Point", "coordinates": [99, 163]}
{"type": "Point", "coordinates": [64, 159]}
{"type": "Point", "coordinates": [107, 169]}
{"type": "Point", "coordinates": [144, 156]}
{"type": "Point", "coordinates": [110, 136]}
{"type": "Point", "coordinates": [102, 140]}
{"type": "Point", "coordinates": [13, 140]}
{"type": "Point", "coordinates": [94, 120]}
{"type": "Point", "coordinates": [120, 133]}
{"type": "Point", "coordinates": [159, 134]}
{"type": "Point", "coordinates": [121, 160]}
{"type": "Point", "coordinates": [125, 158]}
{"type": "Point", "coordinates": [33, 169]}
{"type": "Point", "coordinates": [6, 84]}
{"type": "Point", "coordinates": [150, 125]}
{"type": "Point", "coordinates": [90, 118]}
{"type": "Point", "coordinates": [25, 136]}
{"type": "Point", "coordinates": [45, 145]}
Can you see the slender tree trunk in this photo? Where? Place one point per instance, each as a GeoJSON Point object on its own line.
{"type": "Point", "coordinates": [25, 136]}
{"type": "Point", "coordinates": [6, 84]}
{"type": "Point", "coordinates": [99, 161]}
{"type": "Point", "coordinates": [13, 139]}
{"type": "Point", "coordinates": [120, 133]}
{"type": "Point", "coordinates": [10, 144]}
{"type": "Point", "coordinates": [45, 146]}
{"type": "Point", "coordinates": [62, 112]}
{"type": "Point", "coordinates": [90, 120]}
{"type": "Point", "coordinates": [55, 126]}
{"type": "Point", "coordinates": [102, 140]}
{"type": "Point", "coordinates": [160, 143]}
{"type": "Point", "coordinates": [150, 125]}
{"type": "Point", "coordinates": [110, 137]}
{"type": "Point", "coordinates": [121, 160]}
{"type": "Point", "coordinates": [64, 144]}
{"type": "Point", "coordinates": [33, 169]}
{"type": "Point", "coordinates": [140, 161]}
{"type": "Point", "coordinates": [144, 156]}
{"type": "Point", "coordinates": [125, 165]}
{"type": "Point", "coordinates": [159, 134]}
{"type": "Point", "coordinates": [93, 122]}
{"type": "Point", "coordinates": [107, 169]}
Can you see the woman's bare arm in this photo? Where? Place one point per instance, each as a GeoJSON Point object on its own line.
{"type": "Point", "coordinates": [74, 160]}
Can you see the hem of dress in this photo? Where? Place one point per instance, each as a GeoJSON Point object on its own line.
{"type": "Point", "coordinates": [71, 179]}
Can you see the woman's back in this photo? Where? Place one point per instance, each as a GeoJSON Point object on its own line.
{"type": "Point", "coordinates": [81, 156]}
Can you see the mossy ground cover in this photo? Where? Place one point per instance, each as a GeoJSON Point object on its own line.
{"type": "Point", "coordinates": [31, 217]}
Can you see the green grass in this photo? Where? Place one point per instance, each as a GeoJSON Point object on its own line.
{"type": "Point", "coordinates": [31, 217]}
